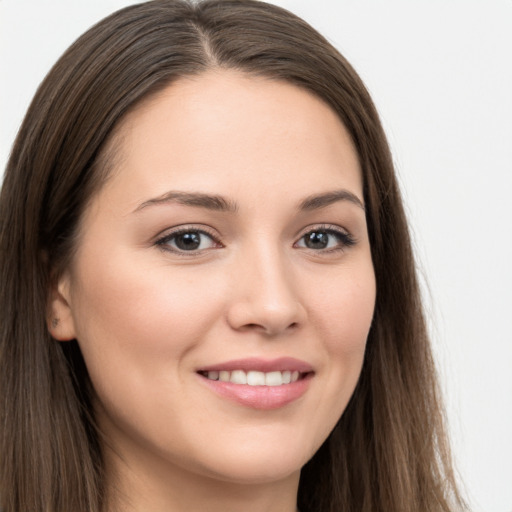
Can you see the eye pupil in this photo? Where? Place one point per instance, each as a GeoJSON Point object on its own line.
{"type": "Point", "coordinates": [317, 240]}
{"type": "Point", "coordinates": [188, 241]}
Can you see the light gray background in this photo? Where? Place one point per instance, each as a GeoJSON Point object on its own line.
{"type": "Point", "coordinates": [441, 75]}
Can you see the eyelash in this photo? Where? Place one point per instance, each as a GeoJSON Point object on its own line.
{"type": "Point", "coordinates": [345, 240]}
{"type": "Point", "coordinates": [163, 242]}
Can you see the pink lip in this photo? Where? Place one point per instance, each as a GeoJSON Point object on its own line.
{"type": "Point", "coordinates": [260, 397]}
{"type": "Point", "coordinates": [281, 364]}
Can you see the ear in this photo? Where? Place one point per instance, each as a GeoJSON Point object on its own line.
{"type": "Point", "coordinates": [60, 323]}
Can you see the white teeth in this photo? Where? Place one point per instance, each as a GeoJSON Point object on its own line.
{"type": "Point", "coordinates": [224, 376]}
{"type": "Point", "coordinates": [238, 377]}
{"type": "Point", "coordinates": [273, 379]}
{"type": "Point", "coordinates": [254, 378]}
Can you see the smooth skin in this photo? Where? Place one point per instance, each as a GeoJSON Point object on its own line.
{"type": "Point", "coordinates": [263, 272]}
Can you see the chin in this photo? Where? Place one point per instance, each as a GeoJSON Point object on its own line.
{"type": "Point", "coordinates": [251, 463]}
{"type": "Point", "coordinates": [257, 472]}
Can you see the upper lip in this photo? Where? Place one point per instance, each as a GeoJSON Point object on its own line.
{"type": "Point", "coordinates": [260, 365]}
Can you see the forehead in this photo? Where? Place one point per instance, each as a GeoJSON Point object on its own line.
{"type": "Point", "coordinates": [217, 129]}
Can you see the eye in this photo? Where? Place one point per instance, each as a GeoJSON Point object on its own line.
{"type": "Point", "coordinates": [326, 239]}
{"type": "Point", "coordinates": [187, 240]}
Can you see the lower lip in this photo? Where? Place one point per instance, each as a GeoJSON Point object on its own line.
{"type": "Point", "coordinates": [260, 397]}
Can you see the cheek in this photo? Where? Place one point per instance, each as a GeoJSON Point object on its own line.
{"type": "Point", "coordinates": [344, 309]}
{"type": "Point", "coordinates": [341, 311]}
{"type": "Point", "coordinates": [135, 326]}
{"type": "Point", "coordinates": [140, 317]}
{"type": "Point", "coordinates": [344, 316]}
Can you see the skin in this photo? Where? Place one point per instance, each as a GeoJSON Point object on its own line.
{"type": "Point", "coordinates": [147, 316]}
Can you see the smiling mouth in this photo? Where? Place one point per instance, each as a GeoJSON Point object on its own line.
{"type": "Point", "coordinates": [255, 378]}
{"type": "Point", "coordinates": [259, 383]}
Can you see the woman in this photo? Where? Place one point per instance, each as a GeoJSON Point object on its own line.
{"type": "Point", "coordinates": [209, 297]}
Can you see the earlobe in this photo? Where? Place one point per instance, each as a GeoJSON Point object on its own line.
{"type": "Point", "coordinates": [60, 321]}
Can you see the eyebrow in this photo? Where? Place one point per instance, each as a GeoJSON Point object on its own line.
{"type": "Point", "coordinates": [221, 204]}
{"type": "Point", "coordinates": [318, 201]}
{"type": "Point", "coordinates": [196, 199]}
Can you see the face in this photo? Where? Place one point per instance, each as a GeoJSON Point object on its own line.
{"type": "Point", "coordinates": [222, 289]}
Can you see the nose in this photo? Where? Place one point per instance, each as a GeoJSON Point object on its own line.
{"type": "Point", "coordinates": [265, 296]}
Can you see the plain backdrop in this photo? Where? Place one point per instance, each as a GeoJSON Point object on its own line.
{"type": "Point", "coordinates": [440, 73]}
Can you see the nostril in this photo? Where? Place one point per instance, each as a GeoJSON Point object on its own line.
{"type": "Point", "coordinates": [270, 330]}
{"type": "Point", "coordinates": [266, 317]}
{"type": "Point", "coordinates": [252, 327]}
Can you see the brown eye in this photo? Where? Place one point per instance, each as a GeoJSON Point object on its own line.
{"type": "Point", "coordinates": [325, 239]}
{"type": "Point", "coordinates": [316, 240]}
{"type": "Point", "coordinates": [187, 241]}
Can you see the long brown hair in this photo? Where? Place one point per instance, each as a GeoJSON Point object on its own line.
{"type": "Point", "coordinates": [388, 451]}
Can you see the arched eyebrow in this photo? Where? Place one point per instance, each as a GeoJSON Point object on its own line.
{"type": "Point", "coordinates": [222, 204]}
{"type": "Point", "coordinates": [317, 201]}
{"type": "Point", "coordinates": [195, 199]}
